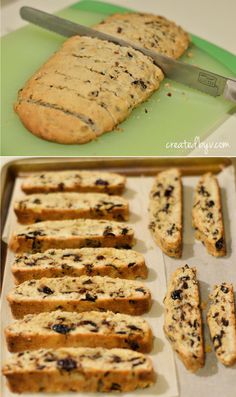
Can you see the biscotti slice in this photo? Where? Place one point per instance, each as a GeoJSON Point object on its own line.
{"type": "Point", "coordinates": [71, 234]}
{"type": "Point", "coordinates": [79, 294]}
{"type": "Point", "coordinates": [85, 90]}
{"type": "Point", "coordinates": [74, 181]}
{"type": "Point", "coordinates": [207, 215]}
{"type": "Point", "coordinates": [165, 212]}
{"type": "Point", "coordinates": [221, 318]}
{"type": "Point", "coordinates": [110, 262]}
{"type": "Point", "coordinates": [149, 31]}
{"type": "Point", "coordinates": [78, 369]}
{"type": "Point", "coordinates": [59, 206]}
{"type": "Point", "coordinates": [88, 329]}
{"type": "Point", "coordinates": [182, 318]}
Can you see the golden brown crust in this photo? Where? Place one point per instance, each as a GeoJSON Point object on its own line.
{"type": "Point", "coordinates": [110, 262]}
{"type": "Point", "coordinates": [150, 31]}
{"type": "Point", "coordinates": [80, 93]}
{"type": "Point", "coordinates": [78, 233]}
{"type": "Point", "coordinates": [79, 294]}
{"type": "Point", "coordinates": [79, 369]}
{"type": "Point", "coordinates": [88, 329]}
{"type": "Point", "coordinates": [50, 124]}
{"type": "Point", "coordinates": [74, 181]}
{"type": "Point", "coordinates": [62, 206]}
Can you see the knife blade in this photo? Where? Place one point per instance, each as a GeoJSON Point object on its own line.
{"type": "Point", "coordinates": [203, 80]}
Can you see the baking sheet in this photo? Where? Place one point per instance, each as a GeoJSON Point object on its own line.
{"type": "Point", "coordinates": [193, 114]}
{"type": "Point", "coordinates": [137, 193]}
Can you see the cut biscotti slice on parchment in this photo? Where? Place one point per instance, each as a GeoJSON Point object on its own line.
{"type": "Point", "coordinates": [74, 181]}
{"type": "Point", "coordinates": [207, 215]}
{"type": "Point", "coordinates": [59, 206]}
{"type": "Point", "coordinates": [71, 329]}
{"type": "Point", "coordinates": [182, 318]}
{"type": "Point", "coordinates": [78, 369]}
{"type": "Point", "coordinates": [71, 234]}
{"type": "Point", "coordinates": [221, 318]}
{"type": "Point", "coordinates": [79, 294]}
{"type": "Point", "coordinates": [110, 262]}
{"type": "Point", "coordinates": [165, 212]}
{"type": "Point", "coordinates": [149, 31]}
{"type": "Point", "coordinates": [86, 89]}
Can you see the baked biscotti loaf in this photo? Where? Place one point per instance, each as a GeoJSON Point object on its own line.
{"type": "Point", "coordinates": [149, 31]}
{"type": "Point", "coordinates": [79, 294]}
{"type": "Point", "coordinates": [71, 234]}
{"type": "Point", "coordinates": [78, 369]}
{"type": "Point", "coordinates": [165, 212]}
{"type": "Point", "coordinates": [59, 206]}
{"type": "Point", "coordinates": [74, 181]}
{"type": "Point", "coordinates": [221, 318]}
{"type": "Point", "coordinates": [110, 262]}
{"type": "Point", "coordinates": [182, 318]}
{"type": "Point", "coordinates": [88, 329]}
{"type": "Point", "coordinates": [87, 88]}
{"type": "Point", "coordinates": [207, 215]}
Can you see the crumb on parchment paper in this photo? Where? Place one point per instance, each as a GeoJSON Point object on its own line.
{"type": "Point", "coordinates": [208, 348]}
{"type": "Point", "coordinates": [203, 305]}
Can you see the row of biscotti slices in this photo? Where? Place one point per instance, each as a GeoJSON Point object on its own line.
{"type": "Point", "coordinates": [72, 195]}
{"type": "Point", "coordinates": [166, 220]}
{"type": "Point", "coordinates": [183, 320]}
{"type": "Point", "coordinates": [82, 327]}
{"type": "Point", "coordinates": [74, 323]}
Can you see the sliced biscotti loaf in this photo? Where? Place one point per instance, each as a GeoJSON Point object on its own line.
{"type": "Point", "coordinates": [110, 262]}
{"type": "Point", "coordinates": [59, 206]}
{"type": "Point", "coordinates": [207, 215]}
{"type": "Point", "coordinates": [71, 234]}
{"type": "Point", "coordinates": [221, 318]}
{"type": "Point", "coordinates": [88, 329]}
{"type": "Point", "coordinates": [79, 294]}
{"type": "Point", "coordinates": [149, 31]}
{"type": "Point", "coordinates": [74, 181]}
{"type": "Point", "coordinates": [182, 318]}
{"type": "Point", "coordinates": [78, 369]}
{"type": "Point", "coordinates": [165, 212]}
{"type": "Point", "coordinates": [86, 89]}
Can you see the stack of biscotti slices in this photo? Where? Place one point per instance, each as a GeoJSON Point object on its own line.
{"type": "Point", "coordinates": [77, 299]}
{"type": "Point", "coordinates": [91, 85]}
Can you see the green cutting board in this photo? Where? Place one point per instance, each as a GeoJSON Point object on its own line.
{"type": "Point", "coordinates": [161, 120]}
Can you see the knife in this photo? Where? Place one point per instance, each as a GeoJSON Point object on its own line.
{"type": "Point", "coordinates": [200, 79]}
